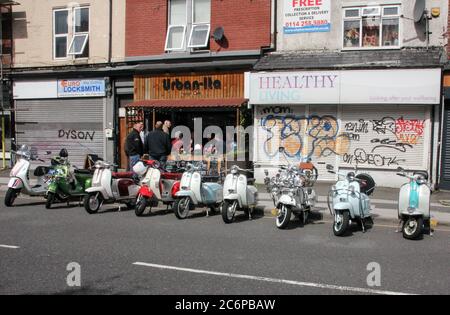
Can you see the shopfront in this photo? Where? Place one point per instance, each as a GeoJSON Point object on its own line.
{"type": "Point", "coordinates": [198, 100]}
{"type": "Point", "coordinates": [377, 120]}
{"type": "Point", "coordinates": [55, 114]}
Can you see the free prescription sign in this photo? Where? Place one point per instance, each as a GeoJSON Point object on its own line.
{"type": "Point", "coordinates": [81, 88]}
{"type": "Point", "coordinates": [307, 16]}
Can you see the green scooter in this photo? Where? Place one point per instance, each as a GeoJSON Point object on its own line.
{"type": "Point", "coordinates": [65, 185]}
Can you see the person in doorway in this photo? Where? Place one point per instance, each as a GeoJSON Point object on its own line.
{"type": "Point", "coordinates": [134, 148]}
{"type": "Point", "coordinates": [167, 126]}
{"type": "Point", "coordinates": [158, 145]}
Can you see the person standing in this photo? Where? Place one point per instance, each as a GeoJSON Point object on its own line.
{"type": "Point", "coordinates": [158, 144]}
{"type": "Point", "coordinates": [167, 126]}
{"type": "Point", "coordinates": [134, 148]}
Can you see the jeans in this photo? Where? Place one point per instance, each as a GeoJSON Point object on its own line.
{"type": "Point", "coordinates": [133, 160]}
{"type": "Point", "coordinates": [161, 159]}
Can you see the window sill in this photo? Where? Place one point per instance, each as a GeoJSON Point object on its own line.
{"type": "Point", "coordinates": [372, 48]}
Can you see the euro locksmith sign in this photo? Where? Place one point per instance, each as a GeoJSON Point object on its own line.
{"type": "Point", "coordinates": [307, 16]}
{"type": "Point", "coordinates": [81, 88]}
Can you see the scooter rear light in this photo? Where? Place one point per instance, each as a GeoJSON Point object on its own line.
{"type": "Point", "coordinates": [175, 188]}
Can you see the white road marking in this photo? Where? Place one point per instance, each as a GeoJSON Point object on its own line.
{"type": "Point", "coordinates": [9, 246]}
{"type": "Point", "coordinates": [273, 280]}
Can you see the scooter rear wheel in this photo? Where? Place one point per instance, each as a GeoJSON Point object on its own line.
{"type": "Point", "coordinates": [413, 228]}
{"type": "Point", "coordinates": [92, 203]}
{"type": "Point", "coordinates": [11, 196]}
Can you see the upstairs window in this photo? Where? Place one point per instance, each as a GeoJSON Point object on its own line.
{"type": "Point", "coordinates": [71, 39]}
{"type": "Point", "coordinates": [371, 27]}
{"type": "Point", "coordinates": [189, 25]}
{"type": "Point", "coordinates": [79, 46]}
{"type": "Point", "coordinates": [60, 33]}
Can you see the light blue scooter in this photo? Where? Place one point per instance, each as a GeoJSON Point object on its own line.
{"type": "Point", "coordinates": [195, 192]}
{"type": "Point", "coordinates": [414, 204]}
{"type": "Point", "coordinates": [348, 200]}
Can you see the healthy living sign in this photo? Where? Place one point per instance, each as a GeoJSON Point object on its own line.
{"type": "Point", "coordinates": [307, 16]}
{"type": "Point", "coordinates": [411, 86]}
{"type": "Point", "coordinates": [81, 88]}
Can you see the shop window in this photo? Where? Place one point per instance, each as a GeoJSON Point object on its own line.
{"type": "Point", "coordinates": [68, 43]}
{"type": "Point", "coordinates": [189, 25]}
{"type": "Point", "coordinates": [371, 27]}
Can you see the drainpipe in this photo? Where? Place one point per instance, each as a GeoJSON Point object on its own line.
{"type": "Point", "coordinates": [273, 28]}
{"type": "Point", "coordinates": [110, 31]}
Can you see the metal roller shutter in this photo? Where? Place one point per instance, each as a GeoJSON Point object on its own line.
{"type": "Point", "coordinates": [387, 137]}
{"type": "Point", "coordinates": [53, 124]}
{"type": "Point", "coordinates": [305, 131]}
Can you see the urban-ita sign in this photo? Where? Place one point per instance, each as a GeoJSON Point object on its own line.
{"type": "Point", "coordinates": [307, 16]}
{"type": "Point", "coordinates": [81, 88]}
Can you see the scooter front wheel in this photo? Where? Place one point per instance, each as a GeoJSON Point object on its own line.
{"type": "Point", "coordinates": [229, 211]}
{"type": "Point", "coordinates": [50, 200]}
{"type": "Point", "coordinates": [413, 228]}
{"type": "Point", "coordinates": [341, 223]}
{"type": "Point", "coordinates": [92, 203]}
{"type": "Point", "coordinates": [284, 217]}
{"type": "Point", "coordinates": [11, 196]}
{"type": "Point", "coordinates": [181, 208]}
{"type": "Point", "coordinates": [141, 205]}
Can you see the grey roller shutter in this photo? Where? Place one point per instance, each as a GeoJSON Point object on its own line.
{"type": "Point", "coordinates": [50, 125]}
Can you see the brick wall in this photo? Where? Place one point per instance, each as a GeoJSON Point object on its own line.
{"type": "Point", "coordinates": [246, 23]}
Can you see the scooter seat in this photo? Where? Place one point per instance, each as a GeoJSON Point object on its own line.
{"type": "Point", "coordinates": [171, 176]}
{"type": "Point", "coordinates": [122, 174]}
{"type": "Point", "coordinates": [83, 172]}
{"type": "Point", "coordinates": [41, 171]}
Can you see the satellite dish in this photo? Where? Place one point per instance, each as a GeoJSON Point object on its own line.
{"type": "Point", "coordinates": [218, 34]}
{"type": "Point", "coordinates": [419, 10]}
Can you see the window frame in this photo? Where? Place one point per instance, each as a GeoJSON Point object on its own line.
{"type": "Point", "coordinates": [75, 33]}
{"type": "Point", "coordinates": [182, 48]}
{"type": "Point", "coordinates": [381, 16]}
{"type": "Point", "coordinates": [188, 30]}
{"type": "Point", "coordinates": [60, 35]}
{"type": "Point", "coordinates": [207, 39]}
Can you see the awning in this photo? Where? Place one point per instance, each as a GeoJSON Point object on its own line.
{"type": "Point", "coordinates": [200, 103]}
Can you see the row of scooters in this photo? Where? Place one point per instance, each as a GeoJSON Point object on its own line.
{"type": "Point", "coordinates": [187, 187]}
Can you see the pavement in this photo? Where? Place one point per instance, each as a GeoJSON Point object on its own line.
{"type": "Point", "coordinates": [384, 202]}
{"type": "Point", "coordinates": [119, 253]}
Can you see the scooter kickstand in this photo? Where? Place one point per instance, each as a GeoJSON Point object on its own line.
{"type": "Point", "coordinates": [399, 227]}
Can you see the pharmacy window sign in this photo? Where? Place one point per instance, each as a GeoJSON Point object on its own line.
{"type": "Point", "coordinates": [307, 16]}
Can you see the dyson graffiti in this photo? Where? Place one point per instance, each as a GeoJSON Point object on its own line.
{"type": "Point", "coordinates": [373, 142]}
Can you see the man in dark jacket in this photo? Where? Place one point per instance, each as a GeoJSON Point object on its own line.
{"type": "Point", "coordinates": [134, 148]}
{"type": "Point", "coordinates": [158, 144]}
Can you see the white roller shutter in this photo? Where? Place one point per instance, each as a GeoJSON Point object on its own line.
{"type": "Point", "coordinates": [53, 124]}
{"type": "Point", "coordinates": [305, 131]}
{"type": "Point", "coordinates": [387, 137]}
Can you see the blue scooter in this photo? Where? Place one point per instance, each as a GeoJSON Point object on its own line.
{"type": "Point", "coordinates": [414, 204]}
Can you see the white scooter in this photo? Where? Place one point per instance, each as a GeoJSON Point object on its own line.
{"type": "Point", "coordinates": [414, 204]}
{"type": "Point", "coordinates": [110, 187]}
{"type": "Point", "coordinates": [19, 182]}
{"type": "Point", "coordinates": [195, 192]}
{"type": "Point", "coordinates": [238, 195]}
{"type": "Point", "coordinates": [350, 200]}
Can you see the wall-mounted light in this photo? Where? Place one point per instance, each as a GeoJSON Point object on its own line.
{"type": "Point", "coordinates": [435, 12]}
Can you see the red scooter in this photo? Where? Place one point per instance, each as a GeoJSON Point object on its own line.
{"type": "Point", "coordinates": [157, 185]}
